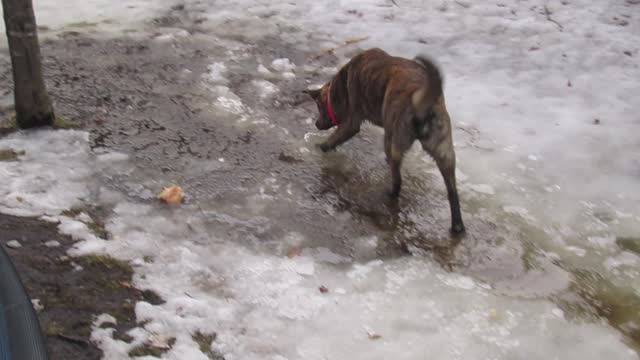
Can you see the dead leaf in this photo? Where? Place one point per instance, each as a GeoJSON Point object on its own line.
{"type": "Point", "coordinates": [323, 289]}
{"type": "Point", "coordinates": [332, 50]}
{"type": "Point", "coordinates": [294, 251]}
{"type": "Point", "coordinates": [159, 341]}
{"type": "Point", "coordinates": [172, 195]}
{"type": "Point", "coordinates": [355, 40]}
{"type": "Point", "coordinates": [373, 336]}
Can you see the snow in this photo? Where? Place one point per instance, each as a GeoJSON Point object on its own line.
{"type": "Point", "coordinates": [37, 306]}
{"type": "Point", "coordinates": [215, 73]}
{"type": "Point", "coordinates": [93, 15]}
{"type": "Point", "coordinates": [482, 189]}
{"type": "Point", "coordinates": [36, 185]}
{"type": "Point", "coordinates": [52, 244]}
{"type": "Point", "coordinates": [285, 67]}
{"type": "Point", "coordinates": [507, 74]}
{"type": "Point", "coordinates": [264, 305]}
{"type": "Point", "coordinates": [265, 88]}
{"type": "Point", "coordinates": [13, 244]}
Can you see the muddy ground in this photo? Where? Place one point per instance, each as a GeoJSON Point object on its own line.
{"type": "Point", "coordinates": [71, 291]}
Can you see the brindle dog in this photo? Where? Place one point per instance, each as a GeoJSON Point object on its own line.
{"type": "Point", "coordinates": [404, 97]}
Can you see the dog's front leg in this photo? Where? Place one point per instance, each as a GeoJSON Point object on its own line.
{"type": "Point", "coordinates": [340, 136]}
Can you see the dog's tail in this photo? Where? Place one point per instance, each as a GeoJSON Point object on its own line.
{"type": "Point", "coordinates": [424, 98]}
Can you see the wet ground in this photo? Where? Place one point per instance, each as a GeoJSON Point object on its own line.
{"type": "Point", "coordinates": [256, 178]}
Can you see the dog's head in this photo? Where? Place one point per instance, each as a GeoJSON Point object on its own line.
{"type": "Point", "coordinates": [323, 121]}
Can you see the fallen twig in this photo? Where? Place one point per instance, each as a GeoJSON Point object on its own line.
{"type": "Point", "coordinates": [473, 135]}
{"type": "Point", "coordinates": [548, 14]}
{"type": "Point", "coordinates": [332, 50]}
{"type": "Point", "coordinates": [72, 339]}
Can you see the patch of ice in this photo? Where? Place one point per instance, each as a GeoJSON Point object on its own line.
{"type": "Point", "coordinates": [577, 251]}
{"type": "Point", "coordinates": [602, 241]}
{"type": "Point", "coordinates": [558, 312]}
{"type": "Point", "coordinates": [52, 244]}
{"type": "Point", "coordinates": [458, 281]}
{"type": "Point", "coordinates": [105, 319]}
{"type": "Point", "coordinates": [461, 176]}
{"type": "Point", "coordinates": [228, 101]}
{"type": "Point", "coordinates": [265, 88]}
{"type": "Point", "coordinates": [625, 258]}
{"type": "Point", "coordinates": [263, 70]}
{"type": "Point", "coordinates": [93, 15]}
{"type": "Point", "coordinates": [328, 71]}
{"type": "Point", "coordinates": [482, 189]}
{"type": "Point", "coordinates": [215, 74]}
{"type": "Point", "coordinates": [519, 211]}
{"type": "Point", "coordinates": [325, 255]}
{"type": "Point", "coordinates": [37, 305]}
{"type": "Point", "coordinates": [623, 215]}
{"type": "Point", "coordinates": [360, 271]}
{"type": "Point", "coordinates": [13, 244]}
{"type": "Point", "coordinates": [53, 175]}
{"type": "Point", "coordinates": [51, 219]}
{"type": "Point", "coordinates": [283, 65]}
{"type": "Point", "coordinates": [172, 35]}
{"type": "Point", "coordinates": [83, 216]}
{"type": "Point", "coordinates": [111, 157]}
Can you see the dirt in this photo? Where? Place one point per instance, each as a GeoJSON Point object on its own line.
{"type": "Point", "coordinates": [71, 298]}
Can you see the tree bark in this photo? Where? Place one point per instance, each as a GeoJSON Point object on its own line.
{"type": "Point", "coordinates": [32, 103]}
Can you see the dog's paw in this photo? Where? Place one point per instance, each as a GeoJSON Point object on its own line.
{"type": "Point", "coordinates": [457, 230]}
{"type": "Point", "coordinates": [324, 147]}
{"type": "Point", "coordinates": [393, 194]}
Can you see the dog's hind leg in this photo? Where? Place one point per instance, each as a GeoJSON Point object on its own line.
{"type": "Point", "coordinates": [444, 156]}
{"type": "Point", "coordinates": [399, 142]}
{"type": "Point", "coordinates": [387, 145]}
{"type": "Point", "coordinates": [395, 162]}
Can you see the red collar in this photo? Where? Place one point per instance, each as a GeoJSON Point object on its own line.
{"type": "Point", "coordinates": [332, 115]}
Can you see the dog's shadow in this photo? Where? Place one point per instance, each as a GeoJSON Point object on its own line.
{"type": "Point", "coordinates": [366, 200]}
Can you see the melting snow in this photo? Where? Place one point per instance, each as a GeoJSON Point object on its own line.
{"type": "Point", "coordinates": [264, 306]}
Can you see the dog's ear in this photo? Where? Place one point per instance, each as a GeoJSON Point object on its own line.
{"type": "Point", "coordinates": [315, 93]}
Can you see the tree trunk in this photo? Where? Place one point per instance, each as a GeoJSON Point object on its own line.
{"type": "Point", "coordinates": [33, 106]}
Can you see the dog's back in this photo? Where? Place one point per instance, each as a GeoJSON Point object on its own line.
{"type": "Point", "coordinates": [379, 80]}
